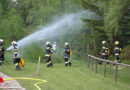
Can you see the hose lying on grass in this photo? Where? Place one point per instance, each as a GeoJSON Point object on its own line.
{"type": "Point", "coordinates": [35, 84]}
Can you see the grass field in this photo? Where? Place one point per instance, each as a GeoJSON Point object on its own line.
{"type": "Point", "coordinates": [77, 77]}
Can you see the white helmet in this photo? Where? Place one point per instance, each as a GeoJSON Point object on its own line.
{"type": "Point", "coordinates": [66, 43]}
{"type": "Point", "coordinates": [1, 40]}
{"type": "Point", "coordinates": [55, 42]}
{"type": "Point", "coordinates": [14, 43]}
{"type": "Point", "coordinates": [47, 43]}
{"type": "Point", "coordinates": [103, 42]}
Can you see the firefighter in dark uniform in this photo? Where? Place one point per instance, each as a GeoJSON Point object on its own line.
{"type": "Point", "coordinates": [104, 52]}
{"type": "Point", "coordinates": [15, 55]}
{"type": "Point", "coordinates": [107, 51]}
{"type": "Point", "coordinates": [1, 52]}
{"type": "Point", "coordinates": [117, 51]}
{"type": "Point", "coordinates": [67, 54]}
{"type": "Point", "coordinates": [48, 54]}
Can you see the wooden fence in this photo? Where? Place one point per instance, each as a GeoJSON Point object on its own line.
{"type": "Point", "coordinates": [92, 58]}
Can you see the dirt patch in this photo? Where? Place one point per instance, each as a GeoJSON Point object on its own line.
{"type": "Point", "coordinates": [10, 85]}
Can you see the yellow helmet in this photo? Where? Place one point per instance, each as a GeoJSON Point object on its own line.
{"type": "Point", "coordinates": [116, 42]}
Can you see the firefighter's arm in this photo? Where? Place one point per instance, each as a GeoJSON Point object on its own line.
{"type": "Point", "coordinates": [51, 51]}
{"type": "Point", "coordinates": [64, 51]}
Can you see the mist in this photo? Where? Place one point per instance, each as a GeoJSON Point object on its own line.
{"type": "Point", "coordinates": [64, 24]}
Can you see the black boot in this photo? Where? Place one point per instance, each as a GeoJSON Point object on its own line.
{"type": "Point", "coordinates": [66, 64]}
{"type": "Point", "coordinates": [51, 64]}
{"type": "Point", "coordinates": [47, 65]}
{"type": "Point", "coordinates": [17, 67]}
{"type": "Point", "coordinates": [69, 63]}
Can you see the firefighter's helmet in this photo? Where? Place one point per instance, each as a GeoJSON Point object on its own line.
{"type": "Point", "coordinates": [1, 40]}
{"type": "Point", "coordinates": [47, 43]}
{"type": "Point", "coordinates": [116, 42]}
{"type": "Point", "coordinates": [103, 42]}
{"type": "Point", "coordinates": [66, 43]}
{"type": "Point", "coordinates": [14, 43]}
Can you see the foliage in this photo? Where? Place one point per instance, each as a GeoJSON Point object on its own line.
{"type": "Point", "coordinates": [20, 18]}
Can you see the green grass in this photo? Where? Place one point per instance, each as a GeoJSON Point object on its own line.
{"type": "Point", "coordinates": [123, 73]}
{"type": "Point", "coordinates": [77, 77]}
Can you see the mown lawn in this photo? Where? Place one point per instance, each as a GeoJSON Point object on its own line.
{"type": "Point", "coordinates": [77, 77]}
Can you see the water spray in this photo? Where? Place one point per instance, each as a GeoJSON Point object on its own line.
{"type": "Point", "coordinates": [65, 24]}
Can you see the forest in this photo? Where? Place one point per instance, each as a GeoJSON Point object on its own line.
{"type": "Point", "coordinates": [19, 18]}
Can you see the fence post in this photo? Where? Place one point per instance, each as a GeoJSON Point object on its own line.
{"type": "Point", "coordinates": [96, 65]}
{"type": "Point", "coordinates": [37, 73]}
{"type": "Point", "coordinates": [92, 64]}
{"type": "Point", "coordinates": [88, 61]}
{"type": "Point", "coordinates": [116, 67]}
{"type": "Point", "coordinates": [104, 68]}
{"type": "Point", "coordinates": [88, 55]}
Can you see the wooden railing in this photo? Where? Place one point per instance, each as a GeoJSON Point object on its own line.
{"type": "Point", "coordinates": [92, 58]}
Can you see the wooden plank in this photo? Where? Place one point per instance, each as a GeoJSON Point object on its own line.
{"type": "Point", "coordinates": [109, 61]}
{"type": "Point", "coordinates": [105, 61]}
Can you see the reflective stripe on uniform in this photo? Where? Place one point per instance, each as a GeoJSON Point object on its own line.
{"type": "Point", "coordinates": [49, 62]}
{"type": "Point", "coordinates": [16, 64]}
{"type": "Point", "coordinates": [106, 50]}
{"type": "Point", "coordinates": [116, 48]}
{"type": "Point", "coordinates": [47, 54]}
{"type": "Point", "coordinates": [117, 54]}
{"type": "Point", "coordinates": [15, 52]}
{"type": "Point", "coordinates": [103, 47]}
{"type": "Point", "coordinates": [66, 62]}
{"type": "Point", "coordinates": [103, 53]}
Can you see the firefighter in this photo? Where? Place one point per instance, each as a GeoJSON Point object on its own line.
{"type": "Point", "coordinates": [48, 54]}
{"type": "Point", "coordinates": [107, 50]}
{"type": "Point", "coordinates": [15, 55]}
{"type": "Point", "coordinates": [117, 52]}
{"type": "Point", "coordinates": [1, 51]}
{"type": "Point", "coordinates": [67, 51]}
{"type": "Point", "coordinates": [104, 52]}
